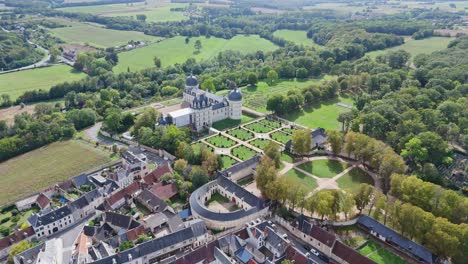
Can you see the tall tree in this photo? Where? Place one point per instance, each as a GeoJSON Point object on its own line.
{"type": "Point", "coordinates": [362, 196]}
{"type": "Point", "coordinates": [301, 141]}
{"type": "Point", "coordinates": [272, 150]}
{"type": "Point", "coordinates": [335, 138]}
{"type": "Point", "coordinates": [265, 173]}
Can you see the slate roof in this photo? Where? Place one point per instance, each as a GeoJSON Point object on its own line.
{"type": "Point", "coordinates": [408, 246]}
{"type": "Point", "coordinates": [152, 200]}
{"type": "Point", "coordinates": [191, 81]}
{"type": "Point", "coordinates": [120, 220]}
{"type": "Point", "coordinates": [275, 240]}
{"type": "Point", "coordinates": [80, 180]}
{"type": "Point", "coordinates": [79, 203]}
{"type": "Point", "coordinates": [221, 257]}
{"type": "Point", "coordinates": [164, 191]}
{"type": "Point", "coordinates": [65, 185]}
{"type": "Point", "coordinates": [50, 217]}
{"type": "Point", "coordinates": [149, 247]}
{"type": "Point", "coordinates": [235, 95]}
{"type": "Point", "coordinates": [92, 195]}
{"type": "Point", "coordinates": [218, 106]}
{"type": "Point", "coordinates": [198, 206]}
{"type": "Point", "coordinates": [240, 166]}
{"type": "Point", "coordinates": [319, 136]}
{"type": "Point", "coordinates": [349, 254]}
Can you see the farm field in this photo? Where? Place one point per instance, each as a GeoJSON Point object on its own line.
{"type": "Point", "coordinates": [297, 36]}
{"type": "Point", "coordinates": [229, 123]}
{"type": "Point", "coordinates": [415, 47]}
{"type": "Point", "coordinates": [97, 36]}
{"type": "Point", "coordinates": [301, 179]}
{"type": "Point", "coordinates": [16, 83]}
{"type": "Point", "coordinates": [153, 14]}
{"type": "Point", "coordinates": [40, 168]}
{"type": "Point", "coordinates": [353, 179]}
{"type": "Point", "coordinates": [175, 50]}
{"type": "Point", "coordinates": [324, 168]}
{"type": "Point", "coordinates": [322, 115]}
{"type": "Point", "coordinates": [256, 97]}
{"type": "Point", "coordinates": [379, 254]}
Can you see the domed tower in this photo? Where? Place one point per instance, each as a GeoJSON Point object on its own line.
{"type": "Point", "coordinates": [191, 86]}
{"type": "Point", "coordinates": [191, 82]}
{"type": "Point", "coordinates": [235, 102]}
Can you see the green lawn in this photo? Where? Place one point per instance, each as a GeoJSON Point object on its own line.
{"type": "Point", "coordinates": [324, 168]}
{"type": "Point", "coordinates": [273, 124]}
{"type": "Point", "coordinates": [227, 161]}
{"type": "Point", "coordinates": [256, 97]}
{"type": "Point", "coordinates": [175, 50]}
{"type": "Point", "coordinates": [280, 137]}
{"type": "Point", "coordinates": [258, 128]}
{"type": "Point", "coordinates": [301, 179]}
{"type": "Point", "coordinates": [299, 37]}
{"type": "Point", "coordinates": [43, 167]}
{"type": "Point", "coordinates": [323, 115]}
{"type": "Point", "coordinates": [353, 179]}
{"type": "Point", "coordinates": [221, 141]}
{"type": "Point", "coordinates": [286, 157]}
{"type": "Point", "coordinates": [153, 14]}
{"type": "Point", "coordinates": [260, 143]}
{"type": "Point", "coordinates": [229, 123]}
{"type": "Point", "coordinates": [97, 36]}
{"type": "Point", "coordinates": [415, 47]}
{"type": "Point", "coordinates": [217, 197]}
{"type": "Point", "coordinates": [17, 221]}
{"type": "Point", "coordinates": [241, 134]}
{"type": "Point", "coordinates": [379, 254]}
{"type": "Point", "coordinates": [242, 152]}
{"type": "Point", "coordinates": [16, 83]}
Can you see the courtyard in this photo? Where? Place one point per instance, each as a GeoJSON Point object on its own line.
{"type": "Point", "coordinates": [221, 204]}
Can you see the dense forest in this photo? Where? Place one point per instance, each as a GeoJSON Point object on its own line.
{"type": "Point", "coordinates": [16, 52]}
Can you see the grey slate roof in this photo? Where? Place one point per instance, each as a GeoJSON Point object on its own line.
{"type": "Point", "coordinates": [218, 106]}
{"type": "Point", "coordinates": [79, 203]}
{"type": "Point", "coordinates": [37, 220]}
{"type": "Point", "coordinates": [155, 202]}
{"type": "Point", "coordinates": [123, 221]}
{"type": "Point", "coordinates": [235, 95]}
{"type": "Point", "coordinates": [191, 81]}
{"type": "Point", "coordinates": [221, 257]}
{"type": "Point", "coordinates": [240, 166]}
{"type": "Point", "coordinates": [240, 192]}
{"type": "Point", "coordinates": [406, 245]}
{"type": "Point", "coordinates": [319, 136]}
{"type": "Point", "coordinates": [80, 180]}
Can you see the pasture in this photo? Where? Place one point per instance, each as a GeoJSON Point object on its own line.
{"type": "Point", "coordinates": [43, 167]}
{"type": "Point", "coordinates": [299, 37]}
{"type": "Point", "coordinates": [415, 47]}
{"type": "Point", "coordinates": [153, 13]}
{"type": "Point", "coordinates": [256, 97]}
{"type": "Point", "coordinates": [176, 50]}
{"type": "Point", "coordinates": [324, 115]}
{"type": "Point", "coordinates": [98, 36]}
{"type": "Point", "coordinates": [16, 83]}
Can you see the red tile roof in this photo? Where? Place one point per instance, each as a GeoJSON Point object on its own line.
{"type": "Point", "coordinates": [296, 256]}
{"type": "Point", "coordinates": [42, 201]}
{"type": "Point", "coordinates": [134, 233]}
{"type": "Point", "coordinates": [154, 176]}
{"type": "Point", "coordinates": [322, 236]}
{"type": "Point", "coordinates": [204, 253]}
{"type": "Point", "coordinates": [350, 255]}
{"type": "Point", "coordinates": [127, 191]}
{"type": "Point", "coordinates": [164, 191]}
{"type": "Point", "coordinates": [16, 237]}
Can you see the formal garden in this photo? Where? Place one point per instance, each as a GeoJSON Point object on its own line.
{"type": "Point", "coordinates": [221, 141]}
{"type": "Point", "coordinates": [258, 127]}
{"type": "Point", "coordinates": [259, 143]}
{"type": "Point", "coordinates": [324, 168]}
{"type": "Point", "coordinates": [242, 152]}
{"type": "Point", "coordinates": [227, 161]}
{"type": "Point", "coordinates": [273, 124]}
{"type": "Point", "coordinates": [241, 134]}
{"type": "Point", "coordinates": [281, 137]}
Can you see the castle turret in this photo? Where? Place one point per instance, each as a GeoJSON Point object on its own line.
{"type": "Point", "coordinates": [235, 104]}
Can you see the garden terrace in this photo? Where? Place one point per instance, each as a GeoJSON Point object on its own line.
{"type": "Point", "coordinates": [241, 134]}
{"type": "Point", "coordinates": [259, 143]}
{"type": "Point", "coordinates": [324, 168]}
{"type": "Point", "coordinates": [258, 127]}
{"type": "Point", "coordinates": [280, 137]}
{"type": "Point", "coordinates": [220, 141]}
{"type": "Point", "coordinates": [242, 152]}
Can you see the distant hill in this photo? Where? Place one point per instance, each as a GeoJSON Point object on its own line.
{"type": "Point", "coordinates": [15, 52]}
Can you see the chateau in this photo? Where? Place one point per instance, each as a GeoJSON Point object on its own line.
{"type": "Point", "coordinates": [205, 108]}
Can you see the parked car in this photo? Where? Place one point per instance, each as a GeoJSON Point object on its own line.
{"type": "Point", "coordinates": [307, 247]}
{"type": "Point", "coordinates": [315, 252]}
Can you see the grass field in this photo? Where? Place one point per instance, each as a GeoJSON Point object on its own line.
{"type": "Point", "coordinates": [280, 137]}
{"type": "Point", "coordinates": [40, 168]}
{"type": "Point", "coordinates": [153, 14]}
{"type": "Point", "coordinates": [301, 179]}
{"type": "Point", "coordinates": [256, 97]}
{"type": "Point", "coordinates": [259, 143]}
{"type": "Point", "coordinates": [16, 83]}
{"type": "Point", "coordinates": [353, 179]}
{"type": "Point", "coordinates": [99, 37]}
{"type": "Point", "coordinates": [299, 37]}
{"type": "Point", "coordinates": [324, 115]}
{"type": "Point", "coordinates": [227, 161]}
{"type": "Point", "coordinates": [221, 141]}
{"type": "Point", "coordinates": [379, 254]}
{"type": "Point", "coordinates": [229, 123]}
{"type": "Point", "coordinates": [258, 127]}
{"type": "Point", "coordinates": [324, 168]}
{"type": "Point", "coordinates": [242, 152]}
{"type": "Point", "coordinates": [286, 157]}
{"type": "Point", "coordinates": [175, 50]}
{"type": "Point", "coordinates": [415, 47]}
{"type": "Point", "coordinates": [241, 134]}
